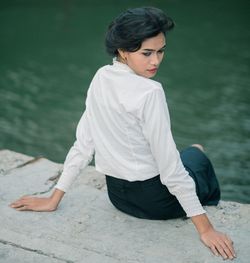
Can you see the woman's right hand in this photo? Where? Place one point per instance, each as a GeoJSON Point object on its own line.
{"type": "Point", "coordinates": [38, 204]}
{"type": "Point", "coordinates": [219, 243]}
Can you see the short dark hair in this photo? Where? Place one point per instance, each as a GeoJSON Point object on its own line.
{"type": "Point", "coordinates": [132, 27]}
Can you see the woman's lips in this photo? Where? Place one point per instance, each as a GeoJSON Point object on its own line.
{"type": "Point", "coordinates": [152, 70]}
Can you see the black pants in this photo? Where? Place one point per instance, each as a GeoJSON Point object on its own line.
{"type": "Point", "coordinates": [150, 199]}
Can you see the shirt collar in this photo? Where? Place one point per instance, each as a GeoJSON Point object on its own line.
{"type": "Point", "coordinates": [121, 65]}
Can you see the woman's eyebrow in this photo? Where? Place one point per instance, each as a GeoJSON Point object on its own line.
{"type": "Point", "coordinates": [149, 49]}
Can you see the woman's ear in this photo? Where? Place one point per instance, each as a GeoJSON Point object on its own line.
{"type": "Point", "coordinates": [122, 56]}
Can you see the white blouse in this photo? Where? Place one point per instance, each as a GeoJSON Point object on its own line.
{"type": "Point", "coordinates": [126, 124]}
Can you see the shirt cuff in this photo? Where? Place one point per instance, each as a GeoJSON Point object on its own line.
{"type": "Point", "coordinates": [191, 205]}
{"type": "Point", "coordinates": [65, 181]}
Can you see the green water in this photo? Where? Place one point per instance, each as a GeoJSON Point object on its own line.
{"type": "Point", "coordinates": [49, 51]}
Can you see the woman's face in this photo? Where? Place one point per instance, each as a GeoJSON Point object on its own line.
{"type": "Point", "coordinates": [147, 59]}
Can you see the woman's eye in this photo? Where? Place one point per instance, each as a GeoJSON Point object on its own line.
{"type": "Point", "coordinates": [147, 54]}
{"type": "Point", "coordinates": [161, 51]}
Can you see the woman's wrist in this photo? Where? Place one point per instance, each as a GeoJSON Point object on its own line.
{"type": "Point", "coordinates": [56, 197]}
{"type": "Point", "coordinates": [202, 223]}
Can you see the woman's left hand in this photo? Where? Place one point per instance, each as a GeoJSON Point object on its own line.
{"type": "Point", "coordinates": [31, 203]}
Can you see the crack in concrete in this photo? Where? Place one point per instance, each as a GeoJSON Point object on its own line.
{"type": "Point", "coordinates": [6, 172]}
{"type": "Point", "coordinates": [30, 161]}
{"type": "Point", "coordinates": [37, 251]}
{"type": "Point", "coordinates": [45, 191]}
{"type": "Point", "coordinates": [111, 255]}
{"type": "Point", "coordinates": [51, 255]}
{"type": "Point", "coordinates": [53, 179]}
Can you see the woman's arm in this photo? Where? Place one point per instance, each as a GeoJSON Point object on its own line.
{"type": "Point", "coordinates": [219, 243]}
{"type": "Point", "coordinates": [157, 130]}
{"type": "Point", "coordinates": [79, 156]}
{"type": "Point", "coordinates": [39, 204]}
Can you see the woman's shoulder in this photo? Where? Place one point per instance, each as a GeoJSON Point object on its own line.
{"type": "Point", "coordinates": [145, 85]}
{"type": "Point", "coordinates": [153, 84]}
{"type": "Point", "coordinates": [128, 78]}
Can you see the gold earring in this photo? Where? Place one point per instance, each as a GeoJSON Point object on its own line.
{"type": "Point", "coordinates": [123, 59]}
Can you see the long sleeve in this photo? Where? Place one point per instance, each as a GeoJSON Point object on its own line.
{"type": "Point", "coordinates": [79, 156]}
{"type": "Point", "coordinates": [156, 128]}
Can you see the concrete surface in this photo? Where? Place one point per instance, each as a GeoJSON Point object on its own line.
{"type": "Point", "coordinates": [87, 228]}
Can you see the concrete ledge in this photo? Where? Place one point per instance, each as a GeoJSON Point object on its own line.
{"type": "Point", "coordinates": [87, 228]}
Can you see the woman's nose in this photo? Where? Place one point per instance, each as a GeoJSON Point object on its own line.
{"type": "Point", "coordinates": [155, 60]}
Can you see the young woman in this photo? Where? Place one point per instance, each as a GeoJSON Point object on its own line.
{"type": "Point", "coordinates": [126, 124]}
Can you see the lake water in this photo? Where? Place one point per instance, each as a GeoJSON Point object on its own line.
{"type": "Point", "coordinates": [50, 50]}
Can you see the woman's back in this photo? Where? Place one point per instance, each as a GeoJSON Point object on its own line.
{"type": "Point", "coordinates": [114, 106]}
